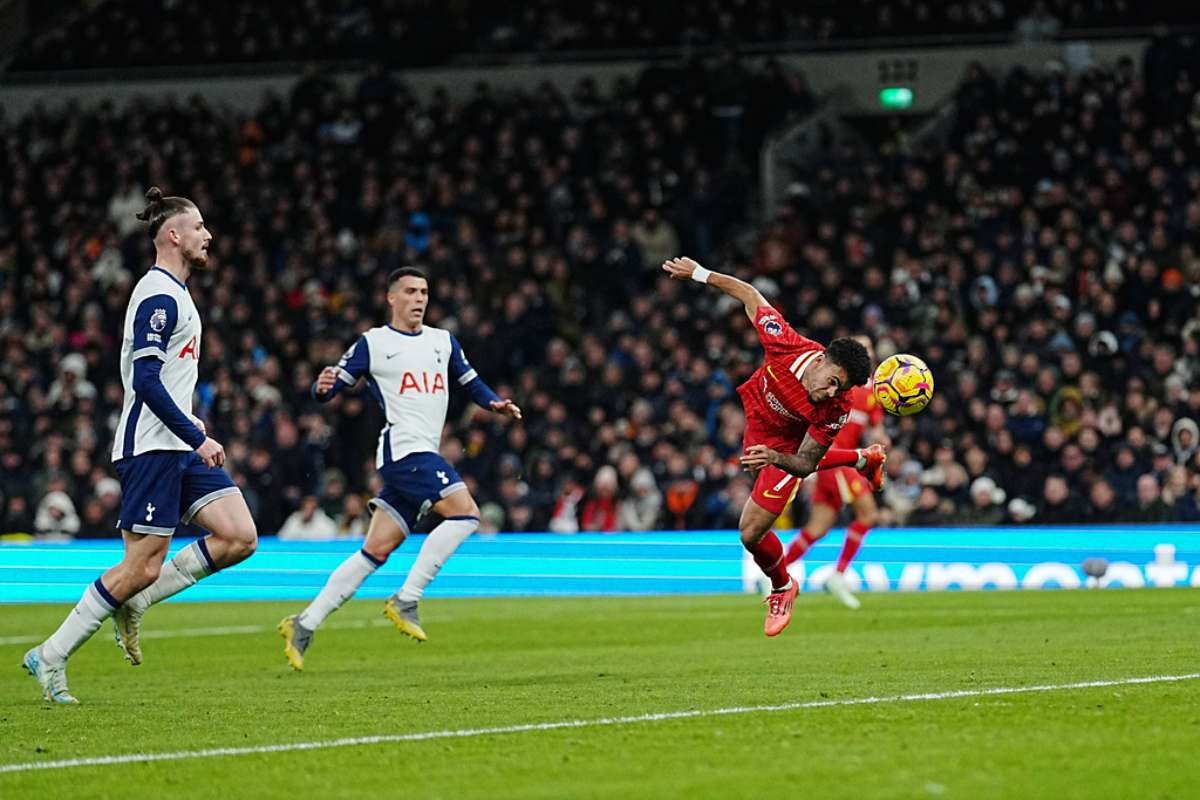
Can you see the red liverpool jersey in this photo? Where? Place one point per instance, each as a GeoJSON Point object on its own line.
{"type": "Point", "coordinates": [865, 412]}
{"type": "Point", "coordinates": [775, 400]}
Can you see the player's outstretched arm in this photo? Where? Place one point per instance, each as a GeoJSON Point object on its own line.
{"type": "Point", "coordinates": [802, 464]}
{"type": "Point", "coordinates": [687, 269]}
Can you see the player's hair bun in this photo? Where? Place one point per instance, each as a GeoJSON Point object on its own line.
{"type": "Point", "coordinates": [154, 196]}
{"type": "Point", "coordinates": [159, 209]}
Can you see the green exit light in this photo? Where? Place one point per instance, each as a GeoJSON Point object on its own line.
{"type": "Point", "coordinates": [896, 97]}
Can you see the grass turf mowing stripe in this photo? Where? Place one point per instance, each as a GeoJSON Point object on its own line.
{"type": "Point", "coordinates": [133, 758]}
{"type": "Point", "coordinates": [224, 630]}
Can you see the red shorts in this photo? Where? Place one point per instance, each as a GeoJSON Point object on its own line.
{"type": "Point", "coordinates": [839, 486]}
{"type": "Point", "coordinates": [773, 487]}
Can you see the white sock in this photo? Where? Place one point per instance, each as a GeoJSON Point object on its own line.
{"type": "Point", "coordinates": [439, 545]}
{"type": "Point", "coordinates": [85, 618]}
{"type": "Point", "coordinates": [188, 566]}
{"type": "Point", "coordinates": [341, 586]}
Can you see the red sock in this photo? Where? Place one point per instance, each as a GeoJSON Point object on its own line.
{"type": "Point", "coordinates": [799, 547]}
{"type": "Point", "coordinates": [768, 554]}
{"type": "Point", "coordinates": [838, 457]}
{"type": "Point", "coordinates": [854, 537]}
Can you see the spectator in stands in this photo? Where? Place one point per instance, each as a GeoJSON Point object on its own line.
{"type": "Point", "coordinates": [56, 516]}
{"type": "Point", "coordinates": [17, 516]}
{"type": "Point", "coordinates": [309, 522]}
{"type": "Point", "coordinates": [1185, 439]}
{"type": "Point", "coordinates": [353, 520]}
{"type": "Point", "coordinates": [1103, 507]}
{"type": "Point", "coordinates": [600, 508]}
{"type": "Point", "coordinates": [1059, 506]}
{"type": "Point", "coordinates": [641, 508]}
{"type": "Point", "coordinates": [930, 511]}
{"type": "Point", "coordinates": [1150, 506]}
{"type": "Point", "coordinates": [986, 508]}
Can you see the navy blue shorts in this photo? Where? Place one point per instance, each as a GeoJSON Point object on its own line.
{"type": "Point", "coordinates": [413, 484]}
{"type": "Point", "coordinates": [165, 487]}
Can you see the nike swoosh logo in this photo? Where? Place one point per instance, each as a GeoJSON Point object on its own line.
{"type": "Point", "coordinates": [772, 495]}
{"type": "Point", "coordinates": [390, 356]}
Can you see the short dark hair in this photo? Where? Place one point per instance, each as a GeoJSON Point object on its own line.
{"type": "Point", "coordinates": [159, 209]}
{"type": "Point", "coordinates": [852, 357]}
{"type": "Point", "coordinates": [406, 272]}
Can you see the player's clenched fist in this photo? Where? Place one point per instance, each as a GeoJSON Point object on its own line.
{"type": "Point", "coordinates": [326, 380]}
{"type": "Point", "coordinates": [212, 452]}
{"type": "Point", "coordinates": [758, 456]}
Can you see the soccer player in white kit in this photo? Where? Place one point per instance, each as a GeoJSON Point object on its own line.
{"type": "Point", "coordinates": [409, 366]}
{"type": "Point", "coordinates": [170, 470]}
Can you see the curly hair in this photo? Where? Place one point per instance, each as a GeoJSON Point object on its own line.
{"type": "Point", "coordinates": [851, 356]}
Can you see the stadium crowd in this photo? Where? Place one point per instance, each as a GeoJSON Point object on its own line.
{"type": "Point", "coordinates": [1045, 263]}
{"type": "Point", "coordinates": [141, 33]}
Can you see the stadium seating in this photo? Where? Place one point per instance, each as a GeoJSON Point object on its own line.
{"type": "Point", "coordinates": [1044, 261]}
{"type": "Point", "coordinates": [146, 33]}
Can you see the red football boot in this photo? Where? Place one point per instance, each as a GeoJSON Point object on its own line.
{"type": "Point", "coordinates": [779, 609]}
{"type": "Point", "coordinates": [876, 457]}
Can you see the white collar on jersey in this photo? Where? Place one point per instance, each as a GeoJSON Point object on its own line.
{"type": "Point", "coordinates": [169, 275]}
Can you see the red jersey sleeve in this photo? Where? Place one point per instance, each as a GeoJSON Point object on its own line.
{"type": "Point", "coordinates": [777, 336]}
{"type": "Point", "coordinates": [834, 416]}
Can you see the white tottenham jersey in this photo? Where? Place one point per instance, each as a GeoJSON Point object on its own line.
{"type": "Point", "coordinates": [161, 321]}
{"type": "Point", "coordinates": [409, 374]}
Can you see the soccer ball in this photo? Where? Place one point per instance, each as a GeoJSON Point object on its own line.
{"type": "Point", "coordinates": [903, 385]}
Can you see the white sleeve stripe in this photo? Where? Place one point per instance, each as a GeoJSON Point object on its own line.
{"type": "Point", "coordinates": [346, 377]}
{"type": "Point", "coordinates": [467, 377]}
{"type": "Point", "coordinates": [148, 351]}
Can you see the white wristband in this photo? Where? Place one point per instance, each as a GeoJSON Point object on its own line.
{"type": "Point", "coordinates": [700, 274]}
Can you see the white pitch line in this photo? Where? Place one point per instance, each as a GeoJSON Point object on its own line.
{"type": "Point", "coordinates": [467, 733]}
{"type": "Point", "coordinates": [227, 630]}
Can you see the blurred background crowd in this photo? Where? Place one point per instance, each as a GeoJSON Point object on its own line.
{"type": "Point", "coordinates": [146, 33]}
{"type": "Point", "coordinates": [1044, 259]}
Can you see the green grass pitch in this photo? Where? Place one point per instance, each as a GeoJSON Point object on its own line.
{"type": "Point", "coordinates": [503, 663]}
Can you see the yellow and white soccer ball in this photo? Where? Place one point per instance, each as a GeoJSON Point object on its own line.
{"type": "Point", "coordinates": [903, 385]}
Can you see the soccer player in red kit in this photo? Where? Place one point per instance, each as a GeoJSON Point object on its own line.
{"type": "Point", "coordinates": [844, 486]}
{"type": "Point", "coordinates": [795, 404]}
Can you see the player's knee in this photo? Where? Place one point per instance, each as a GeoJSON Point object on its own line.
{"type": "Point", "coordinates": [246, 542]}
{"type": "Point", "coordinates": [149, 571]}
{"type": "Point", "coordinates": [249, 545]}
{"type": "Point", "coordinates": [869, 516]}
{"type": "Point", "coordinates": [241, 540]}
{"type": "Point", "coordinates": [751, 532]}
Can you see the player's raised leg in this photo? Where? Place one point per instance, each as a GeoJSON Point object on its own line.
{"type": "Point", "coordinates": [144, 554]}
{"type": "Point", "coordinates": [460, 518]}
{"type": "Point", "coordinates": [214, 503]}
{"type": "Point", "coordinates": [385, 534]}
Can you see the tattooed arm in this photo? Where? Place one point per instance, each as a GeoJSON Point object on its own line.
{"type": "Point", "coordinates": [801, 465]}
